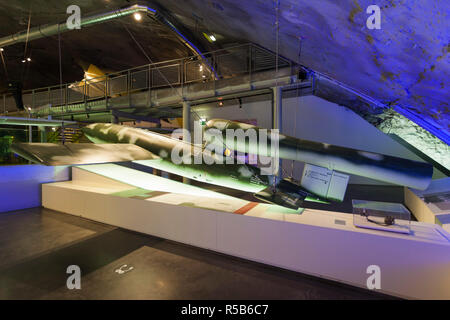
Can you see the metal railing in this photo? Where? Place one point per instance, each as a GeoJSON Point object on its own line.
{"type": "Point", "coordinates": [221, 64]}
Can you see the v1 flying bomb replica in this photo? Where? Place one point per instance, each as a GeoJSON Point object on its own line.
{"type": "Point", "coordinates": [117, 143]}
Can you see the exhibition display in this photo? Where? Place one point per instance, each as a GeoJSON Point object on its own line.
{"type": "Point", "coordinates": [393, 217]}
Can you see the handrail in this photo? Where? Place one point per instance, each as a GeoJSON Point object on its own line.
{"type": "Point", "coordinates": [172, 72]}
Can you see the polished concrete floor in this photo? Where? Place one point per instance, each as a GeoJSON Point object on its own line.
{"type": "Point", "coordinates": [37, 245]}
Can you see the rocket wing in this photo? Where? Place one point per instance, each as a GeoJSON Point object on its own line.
{"type": "Point", "coordinates": [52, 154]}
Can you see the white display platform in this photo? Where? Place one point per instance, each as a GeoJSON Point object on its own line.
{"type": "Point", "coordinates": [319, 243]}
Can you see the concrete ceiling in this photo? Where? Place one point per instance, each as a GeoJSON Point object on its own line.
{"type": "Point", "coordinates": [404, 63]}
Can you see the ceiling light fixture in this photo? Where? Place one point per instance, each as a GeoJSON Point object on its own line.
{"type": "Point", "coordinates": [212, 37]}
{"type": "Point", "coordinates": [1, 49]}
{"type": "Point", "coordinates": [137, 16]}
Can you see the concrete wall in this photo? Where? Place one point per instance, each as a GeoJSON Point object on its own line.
{"type": "Point", "coordinates": [20, 186]}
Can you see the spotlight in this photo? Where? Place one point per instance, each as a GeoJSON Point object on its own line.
{"type": "Point", "coordinates": [137, 16]}
{"type": "Point", "coordinates": [28, 59]}
{"type": "Point", "coordinates": [1, 49]}
{"type": "Point", "coordinates": [213, 39]}
{"type": "Point", "coordinates": [23, 61]}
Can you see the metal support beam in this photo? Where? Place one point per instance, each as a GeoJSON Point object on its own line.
{"type": "Point", "coordinates": [53, 29]}
{"type": "Point", "coordinates": [20, 121]}
{"type": "Point", "coordinates": [114, 118]}
{"type": "Point", "coordinates": [277, 118]}
{"type": "Point", "coordinates": [186, 125]}
{"type": "Point", "coordinates": [276, 108]}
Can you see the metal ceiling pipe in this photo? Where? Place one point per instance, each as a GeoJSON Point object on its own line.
{"type": "Point", "coordinates": [164, 17]}
{"type": "Point", "coordinates": [43, 31]}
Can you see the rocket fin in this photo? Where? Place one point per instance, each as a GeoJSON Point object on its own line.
{"type": "Point", "coordinates": [52, 154]}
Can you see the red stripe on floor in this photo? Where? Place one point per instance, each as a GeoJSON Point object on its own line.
{"type": "Point", "coordinates": [246, 208]}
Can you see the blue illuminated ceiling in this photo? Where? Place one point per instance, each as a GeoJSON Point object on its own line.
{"type": "Point", "coordinates": [405, 64]}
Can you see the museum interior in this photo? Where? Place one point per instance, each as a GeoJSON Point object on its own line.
{"type": "Point", "coordinates": [224, 149]}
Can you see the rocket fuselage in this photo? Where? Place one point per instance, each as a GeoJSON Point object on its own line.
{"type": "Point", "coordinates": [376, 166]}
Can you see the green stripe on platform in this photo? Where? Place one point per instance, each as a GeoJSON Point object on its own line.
{"type": "Point", "coordinates": [137, 192]}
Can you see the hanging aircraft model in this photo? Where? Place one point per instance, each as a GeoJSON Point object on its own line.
{"type": "Point", "coordinates": [116, 143]}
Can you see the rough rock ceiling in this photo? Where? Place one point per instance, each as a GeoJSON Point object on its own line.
{"type": "Point", "coordinates": [404, 63]}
